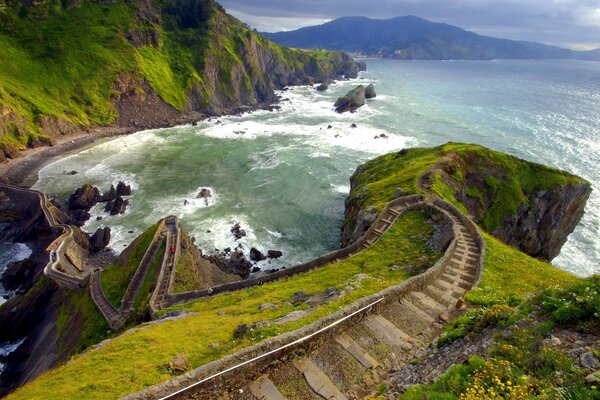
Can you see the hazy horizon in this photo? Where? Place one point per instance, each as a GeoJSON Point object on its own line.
{"type": "Point", "coordinates": [569, 24]}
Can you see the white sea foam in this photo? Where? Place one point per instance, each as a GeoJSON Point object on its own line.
{"type": "Point", "coordinates": [11, 252]}
{"type": "Point", "coordinates": [7, 348]}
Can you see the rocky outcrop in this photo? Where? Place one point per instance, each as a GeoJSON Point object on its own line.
{"type": "Point", "coordinates": [84, 198]}
{"type": "Point", "coordinates": [526, 205]}
{"type": "Point", "coordinates": [116, 206]}
{"type": "Point", "coordinates": [123, 189]}
{"type": "Point", "coordinates": [370, 92]}
{"type": "Point", "coordinates": [352, 101]}
{"type": "Point", "coordinates": [257, 255]}
{"type": "Point", "coordinates": [541, 228]}
{"type": "Point", "coordinates": [100, 239]}
{"type": "Point", "coordinates": [322, 87]}
{"type": "Point", "coordinates": [234, 263]}
{"type": "Point", "coordinates": [274, 253]}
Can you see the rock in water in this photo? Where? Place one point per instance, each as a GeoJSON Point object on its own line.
{"type": "Point", "coordinates": [256, 255]}
{"type": "Point", "coordinates": [84, 198]}
{"type": "Point", "coordinates": [100, 239]}
{"type": "Point", "coordinates": [370, 92]}
{"type": "Point", "coordinates": [110, 195]}
{"type": "Point", "coordinates": [274, 253]}
{"type": "Point", "coordinates": [204, 194]}
{"type": "Point", "coordinates": [237, 231]}
{"type": "Point", "coordinates": [352, 101]}
{"type": "Point", "coordinates": [117, 206]}
{"type": "Point", "coordinates": [322, 87]}
{"type": "Point", "coordinates": [123, 189]}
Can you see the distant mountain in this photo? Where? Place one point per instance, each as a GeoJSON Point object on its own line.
{"type": "Point", "coordinates": [414, 38]}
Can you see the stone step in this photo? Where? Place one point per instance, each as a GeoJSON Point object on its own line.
{"type": "Point", "coordinates": [418, 312]}
{"type": "Point", "coordinates": [356, 351]}
{"type": "Point", "coordinates": [401, 316]}
{"type": "Point", "coordinates": [461, 274]}
{"type": "Point", "coordinates": [444, 297]}
{"type": "Point", "coordinates": [427, 304]}
{"type": "Point", "coordinates": [389, 331]}
{"type": "Point", "coordinates": [387, 221]}
{"type": "Point", "coordinates": [379, 232]}
{"type": "Point", "coordinates": [317, 380]}
{"type": "Point", "coordinates": [393, 212]}
{"type": "Point", "coordinates": [264, 389]}
{"type": "Point", "coordinates": [456, 281]}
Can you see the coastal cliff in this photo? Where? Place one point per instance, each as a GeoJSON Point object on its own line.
{"type": "Point", "coordinates": [529, 206]}
{"type": "Point", "coordinates": [76, 66]}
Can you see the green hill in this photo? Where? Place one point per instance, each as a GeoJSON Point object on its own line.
{"type": "Point", "coordinates": [70, 64]}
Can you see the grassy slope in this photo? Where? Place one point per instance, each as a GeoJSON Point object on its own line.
{"type": "Point", "coordinates": [104, 373]}
{"type": "Point", "coordinates": [115, 278]}
{"type": "Point", "coordinates": [521, 179]}
{"type": "Point", "coordinates": [509, 273]}
{"type": "Point", "coordinates": [64, 62]}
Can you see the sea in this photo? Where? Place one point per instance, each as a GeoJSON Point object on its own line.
{"type": "Point", "coordinates": [284, 175]}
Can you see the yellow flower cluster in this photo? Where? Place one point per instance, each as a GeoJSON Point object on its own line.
{"type": "Point", "coordinates": [492, 381]}
{"type": "Point", "coordinates": [493, 315]}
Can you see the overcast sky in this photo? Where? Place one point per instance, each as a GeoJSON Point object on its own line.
{"type": "Point", "coordinates": [567, 23]}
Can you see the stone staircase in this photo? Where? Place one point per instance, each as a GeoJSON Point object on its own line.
{"type": "Point", "coordinates": [354, 353]}
{"type": "Point", "coordinates": [59, 267]}
{"type": "Point", "coordinates": [116, 318]}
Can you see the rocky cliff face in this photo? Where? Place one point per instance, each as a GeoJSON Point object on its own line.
{"type": "Point", "coordinates": [164, 63]}
{"type": "Point", "coordinates": [541, 228]}
{"type": "Point", "coordinates": [528, 206]}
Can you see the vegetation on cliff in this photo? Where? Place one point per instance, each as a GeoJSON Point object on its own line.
{"type": "Point", "coordinates": [528, 205]}
{"type": "Point", "coordinates": [67, 65]}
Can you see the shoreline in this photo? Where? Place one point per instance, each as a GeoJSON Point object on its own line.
{"type": "Point", "coordinates": [20, 171]}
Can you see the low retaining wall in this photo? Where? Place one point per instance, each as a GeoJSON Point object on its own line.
{"type": "Point", "coordinates": [248, 364]}
{"type": "Point", "coordinates": [180, 298]}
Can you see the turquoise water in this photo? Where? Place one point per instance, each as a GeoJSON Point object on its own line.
{"type": "Point", "coordinates": [286, 177]}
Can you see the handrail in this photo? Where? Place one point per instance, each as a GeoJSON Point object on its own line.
{"type": "Point", "coordinates": [281, 348]}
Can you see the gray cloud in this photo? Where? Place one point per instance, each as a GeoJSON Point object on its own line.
{"type": "Point", "coordinates": [569, 23]}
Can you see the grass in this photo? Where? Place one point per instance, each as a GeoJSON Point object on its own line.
{"type": "Point", "coordinates": [140, 305]}
{"type": "Point", "coordinates": [116, 277]}
{"type": "Point", "coordinates": [507, 182]}
{"type": "Point", "coordinates": [104, 373]}
{"type": "Point", "coordinates": [509, 273]}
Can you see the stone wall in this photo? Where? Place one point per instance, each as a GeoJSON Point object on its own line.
{"type": "Point", "coordinates": [237, 369]}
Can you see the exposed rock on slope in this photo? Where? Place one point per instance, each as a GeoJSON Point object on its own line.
{"type": "Point", "coordinates": [529, 206]}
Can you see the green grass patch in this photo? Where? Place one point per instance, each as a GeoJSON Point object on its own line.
{"type": "Point", "coordinates": [140, 305]}
{"type": "Point", "coordinates": [116, 277]}
{"type": "Point", "coordinates": [104, 373]}
{"type": "Point", "coordinates": [510, 274]}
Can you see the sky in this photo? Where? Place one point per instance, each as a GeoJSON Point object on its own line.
{"type": "Point", "coordinates": [567, 23]}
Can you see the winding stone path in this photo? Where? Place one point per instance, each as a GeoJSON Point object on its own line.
{"type": "Point", "coordinates": [59, 267]}
{"type": "Point", "coordinates": [348, 354]}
